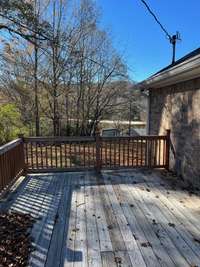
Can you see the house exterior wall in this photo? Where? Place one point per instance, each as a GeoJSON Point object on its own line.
{"type": "Point", "coordinates": [177, 107]}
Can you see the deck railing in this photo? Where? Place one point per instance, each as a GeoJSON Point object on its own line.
{"type": "Point", "coordinates": [140, 151]}
{"type": "Point", "coordinates": [73, 153]}
{"type": "Point", "coordinates": [12, 162]}
{"type": "Point", "coordinates": [42, 154]}
{"type": "Point", "coordinates": [60, 153]}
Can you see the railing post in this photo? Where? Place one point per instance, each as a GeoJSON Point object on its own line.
{"type": "Point", "coordinates": [98, 150]}
{"type": "Point", "coordinates": [149, 152]}
{"type": "Point", "coordinates": [21, 136]}
{"type": "Point", "coordinates": [168, 132]}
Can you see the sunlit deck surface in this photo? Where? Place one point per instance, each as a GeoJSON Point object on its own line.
{"type": "Point", "coordinates": [122, 218]}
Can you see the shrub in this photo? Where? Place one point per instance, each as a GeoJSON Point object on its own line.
{"type": "Point", "coordinates": [10, 123]}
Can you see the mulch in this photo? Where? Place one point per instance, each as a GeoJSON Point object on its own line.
{"type": "Point", "coordinates": [15, 239]}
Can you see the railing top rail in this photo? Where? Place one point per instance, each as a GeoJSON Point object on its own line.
{"type": "Point", "coordinates": [10, 145]}
{"type": "Point", "coordinates": [139, 137]}
{"type": "Point", "coordinates": [59, 139]}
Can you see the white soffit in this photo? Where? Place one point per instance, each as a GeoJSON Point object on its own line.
{"type": "Point", "coordinates": [184, 71]}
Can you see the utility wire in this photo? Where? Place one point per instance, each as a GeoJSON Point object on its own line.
{"type": "Point", "coordinates": [172, 38]}
{"type": "Point", "coordinates": [156, 19]}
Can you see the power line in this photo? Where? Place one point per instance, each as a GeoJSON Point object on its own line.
{"type": "Point", "coordinates": [156, 19]}
{"type": "Point", "coordinates": [172, 38]}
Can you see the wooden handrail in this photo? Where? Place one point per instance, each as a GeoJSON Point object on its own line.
{"type": "Point", "coordinates": [10, 145]}
{"type": "Point", "coordinates": [88, 138]}
{"type": "Point", "coordinates": [12, 163]}
{"type": "Point", "coordinates": [59, 139]}
{"type": "Point", "coordinates": [139, 137]}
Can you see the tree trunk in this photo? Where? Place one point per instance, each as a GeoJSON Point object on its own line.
{"type": "Point", "coordinates": [37, 120]}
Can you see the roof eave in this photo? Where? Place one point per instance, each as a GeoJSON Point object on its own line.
{"type": "Point", "coordinates": [184, 71]}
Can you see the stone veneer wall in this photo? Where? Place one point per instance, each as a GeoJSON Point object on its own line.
{"type": "Point", "coordinates": [177, 107]}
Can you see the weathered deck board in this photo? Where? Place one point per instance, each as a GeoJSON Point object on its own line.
{"type": "Point", "coordinates": [153, 254]}
{"type": "Point", "coordinates": [80, 245]}
{"type": "Point", "coordinates": [180, 233]}
{"type": "Point", "coordinates": [108, 259]}
{"type": "Point", "coordinates": [112, 225]}
{"type": "Point", "coordinates": [93, 244]}
{"type": "Point", "coordinates": [171, 231]}
{"type": "Point", "coordinates": [130, 243]}
{"type": "Point", "coordinates": [104, 237]}
{"type": "Point", "coordinates": [69, 242]}
{"type": "Point", "coordinates": [58, 235]}
{"type": "Point", "coordinates": [171, 201]}
{"type": "Point", "coordinates": [130, 218]}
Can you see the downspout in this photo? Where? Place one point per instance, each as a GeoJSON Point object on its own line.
{"type": "Point", "coordinates": [148, 112]}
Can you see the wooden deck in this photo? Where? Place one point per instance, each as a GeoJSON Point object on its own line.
{"type": "Point", "coordinates": [124, 218]}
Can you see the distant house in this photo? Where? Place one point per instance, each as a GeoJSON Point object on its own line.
{"type": "Point", "coordinates": [110, 132]}
{"type": "Point", "coordinates": [174, 103]}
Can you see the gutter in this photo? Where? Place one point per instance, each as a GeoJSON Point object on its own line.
{"type": "Point", "coordinates": [184, 71]}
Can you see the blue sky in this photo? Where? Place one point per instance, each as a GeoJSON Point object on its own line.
{"type": "Point", "coordinates": [139, 38]}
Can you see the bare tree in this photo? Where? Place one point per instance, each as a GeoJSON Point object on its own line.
{"type": "Point", "coordinates": [18, 17]}
{"type": "Point", "coordinates": [97, 66]}
{"type": "Point", "coordinates": [74, 76]}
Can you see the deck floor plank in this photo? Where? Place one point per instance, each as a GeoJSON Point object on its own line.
{"type": "Point", "coordinates": [144, 210]}
{"type": "Point", "coordinates": [172, 203]}
{"type": "Point", "coordinates": [121, 218]}
{"type": "Point", "coordinates": [104, 237]}
{"type": "Point", "coordinates": [108, 259]}
{"type": "Point", "coordinates": [131, 246]}
{"type": "Point", "coordinates": [171, 230]}
{"type": "Point", "coordinates": [175, 197]}
{"type": "Point", "coordinates": [80, 245]}
{"type": "Point", "coordinates": [172, 251]}
{"type": "Point", "coordinates": [93, 243]}
{"type": "Point", "coordinates": [116, 238]}
{"type": "Point", "coordinates": [56, 245]}
{"type": "Point", "coordinates": [70, 235]}
{"type": "Point", "coordinates": [143, 232]}
{"type": "Point", "coordinates": [42, 232]}
{"type": "Point", "coordinates": [171, 217]}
